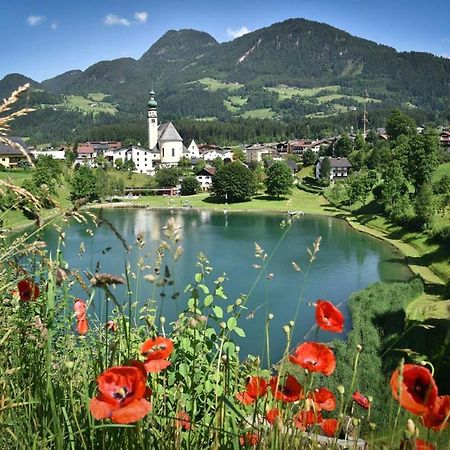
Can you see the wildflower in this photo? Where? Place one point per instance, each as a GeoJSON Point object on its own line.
{"type": "Point", "coordinates": [314, 357]}
{"type": "Point", "coordinates": [272, 415]}
{"type": "Point", "coordinates": [361, 400]}
{"type": "Point", "coordinates": [256, 388]}
{"type": "Point", "coordinates": [157, 351]}
{"type": "Point", "coordinates": [423, 445]}
{"type": "Point", "coordinates": [290, 391]}
{"type": "Point", "coordinates": [328, 317]}
{"type": "Point", "coordinates": [438, 414]}
{"type": "Point", "coordinates": [80, 313]}
{"type": "Point", "coordinates": [111, 326]}
{"type": "Point", "coordinates": [249, 439]}
{"type": "Point", "coordinates": [418, 390]}
{"type": "Point", "coordinates": [183, 420]}
{"type": "Point", "coordinates": [329, 426]}
{"type": "Point", "coordinates": [122, 395]}
{"type": "Point", "coordinates": [28, 290]}
{"type": "Point", "coordinates": [324, 399]}
{"type": "Point", "coordinates": [305, 419]}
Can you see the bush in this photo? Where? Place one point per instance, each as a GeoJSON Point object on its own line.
{"type": "Point", "coordinates": [189, 186]}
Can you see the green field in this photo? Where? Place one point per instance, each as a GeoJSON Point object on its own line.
{"type": "Point", "coordinates": [263, 113]}
{"type": "Point", "coordinates": [355, 98]}
{"type": "Point", "coordinates": [97, 96]}
{"type": "Point", "coordinates": [87, 105]}
{"type": "Point", "coordinates": [214, 85]}
{"type": "Point", "coordinates": [289, 92]}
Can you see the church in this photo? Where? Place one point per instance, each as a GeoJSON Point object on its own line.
{"type": "Point", "coordinates": [163, 139]}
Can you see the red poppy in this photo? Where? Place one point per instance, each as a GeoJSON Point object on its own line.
{"type": "Point", "coordinates": [290, 391]}
{"type": "Point", "coordinates": [272, 415]}
{"type": "Point", "coordinates": [324, 399]}
{"type": "Point", "coordinates": [329, 426]}
{"type": "Point", "coordinates": [328, 317]}
{"type": "Point", "coordinates": [418, 389]}
{"type": "Point", "coordinates": [314, 357]}
{"type": "Point", "coordinates": [305, 419]}
{"type": "Point", "coordinates": [157, 351]}
{"type": "Point", "coordinates": [423, 445]}
{"type": "Point", "coordinates": [122, 395]}
{"type": "Point", "coordinates": [28, 290]}
{"type": "Point", "coordinates": [249, 439]}
{"type": "Point", "coordinates": [80, 313]}
{"type": "Point", "coordinates": [438, 414]}
{"type": "Point", "coordinates": [256, 387]}
{"type": "Point", "coordinates": [183, 420]}
{"type": "Point", "coordinates": [361, 400]}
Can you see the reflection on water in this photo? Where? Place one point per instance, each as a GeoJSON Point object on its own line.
{"type": "Point", "coordinates": [347, 261]}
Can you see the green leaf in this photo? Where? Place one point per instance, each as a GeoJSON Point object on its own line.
{"type": "Point", "coordinates": [239, 331]}
{"type": "Point", "coordinates": [204, 288]}
{"type": "Point", "coordinates": [198, 277]}
{"type": "Point", "coordinates": [208, 300]}
{"type": "Point", "coordinates": [231, 323]}
{"type": "Point", "coordinates": [218, 311]}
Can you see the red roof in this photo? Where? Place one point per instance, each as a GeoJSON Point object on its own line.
{"type": "Point", "coordinates": [85, 149]}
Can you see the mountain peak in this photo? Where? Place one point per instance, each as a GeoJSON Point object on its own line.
{"type": "Point", "coordinates": [184, 43]}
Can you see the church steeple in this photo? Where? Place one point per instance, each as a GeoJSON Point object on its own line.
{"type": "Point", "coordinates": [152, 117]}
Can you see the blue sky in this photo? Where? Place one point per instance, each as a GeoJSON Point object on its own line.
{"type": "Point", "coordinates": [47, 37]}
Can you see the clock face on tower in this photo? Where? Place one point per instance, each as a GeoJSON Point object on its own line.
{"type": "Point", "coordinates": [152, 113]}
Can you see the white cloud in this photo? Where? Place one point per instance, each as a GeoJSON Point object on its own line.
{"type": "Point", "coordinates": [34, 21]}
{"type": "Point", "coordinates": [54, 26]}
{"type": "Point", "coordinates": [237, 33]}
{"type": "Point", "coordinates": [112, 19]}
{"type": "Point", "coordinates": [141, 17]}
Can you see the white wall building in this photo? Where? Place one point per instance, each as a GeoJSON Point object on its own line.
{"type": "Point", "coordinates": [193, 150]}
{"type": "Point", "coordinates": [143, 158]}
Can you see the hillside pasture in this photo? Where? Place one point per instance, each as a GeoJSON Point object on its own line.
{"type": "Point", "coordinates": [214, 85]}
{"type": "Point", "coordinates": [289, 92]}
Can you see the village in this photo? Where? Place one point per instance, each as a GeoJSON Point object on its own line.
{"type": "Point", "coordinates": [168, 149]}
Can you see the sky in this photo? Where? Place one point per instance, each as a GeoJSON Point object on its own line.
{"type": "Point", "coordinates": [44, 38]}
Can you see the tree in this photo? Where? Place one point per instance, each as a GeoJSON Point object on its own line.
{"type": "Point", "coordinates": [279, 179]}
{"type": "Point", "coordinates": [343, 146]}
{"type": "Point", "coordinates": [184, 162]}
{"type": "Point", "coordinates": [234, 183]}
{"type": "Point", "coordinates": [218, 163]}
{"type": "Point", "coordinates": [69, 156]}
{"type": "Point", "coordinates": [47, 172]}
{"type": "Point", "coordinates": [325, 170]}
{"type": "Point", "coordinates": [425, 206]}
{"type": "Point", "coordinates": [309, 157]}
{"type": "Point", "coordinates": [129, 165]}
{"type": "Point", "coordinates": [84, 184]}
{"type": "Point", "coordinates": [238, 155]}
{"type": "Point", "coordinates": [398, 123]}
{"type": "Point", "coordinates": [360, 185]}
{"type": "Point", "coordinates": [189, 186]}
{"type": "Point", "coordinates": [420, 157]}
{"type": "Point", "coordinates": [167, 177]}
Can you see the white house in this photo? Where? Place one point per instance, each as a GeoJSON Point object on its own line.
{"type": "Point", "coordinates": [55, 154]}
{"type": "Point", "coordinates": [212, 154]}
{"type": "Point", "coordinates": [193, 150]}
{"type": "Point", "coordinates": [144, 159]}
{"type": "Point", "coordinates": [340, 168]}
{"type": "Point", "coordinates": [258, 152]}
{"type": "Point", "coordinates": [205, 176]}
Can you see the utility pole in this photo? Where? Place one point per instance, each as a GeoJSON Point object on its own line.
{"type": "Point", "coordinates": [365, 120]}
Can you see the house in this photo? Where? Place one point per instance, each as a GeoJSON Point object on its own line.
{"type": "Point", "coordinates": [205, 176]}
{"type": "Point", "coordinates": [298, 147]}
{"type": "Point", "coordinates": [59, 154]}
{"type": "Point", "coordinates": [289, 162]}
{"type": "Point", "coordinates": [258, 152]}
{"type": "Point", "coordinates": [340, 168]}
{"type": "Point", "coordinates": [193, 151]}
{"type": "Point", "coordinates": [444, 139]}
{"type": "Point", "coordinates": [144, 160]}
{"type": "Point", "coordinates": [85, 155]}
{"type": "Point", "coordinates": [10, 156]}
{"type": "Point", "coordinates": [212, 154]}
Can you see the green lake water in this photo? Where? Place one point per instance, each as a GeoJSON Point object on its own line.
{"type": "Point", "coordinates": [347, 262]}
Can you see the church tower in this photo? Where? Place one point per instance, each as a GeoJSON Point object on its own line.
{"type": "Point", "coordinates": [152, 117]}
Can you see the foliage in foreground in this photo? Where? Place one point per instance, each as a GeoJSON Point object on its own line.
{"type": "Point", "coordinates": [67, 362]}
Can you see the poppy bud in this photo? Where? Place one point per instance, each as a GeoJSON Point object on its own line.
{"type": "Point", "coordinates": [270, 317]}
{"type": "Point", "coordinates": [286, 329]}
{"type": "Point", "coordinates": [162, 320]}
{"type": "Point", "coordinates": [291, 323]}
{"type": "Point", "coordinates": [341, 389]}
{"type": "Point", "coordinates": [359, 348]}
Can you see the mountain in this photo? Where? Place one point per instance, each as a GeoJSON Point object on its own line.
{"type": "Point", "coordinates": [296, 68]}
{"type": "Point", "coordinates": [13, 81]}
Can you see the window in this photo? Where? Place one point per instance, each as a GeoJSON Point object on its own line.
{"type": "Point", "coordinates": [173, 152]}
{"type": "Point", "coordinates": [153, 120]}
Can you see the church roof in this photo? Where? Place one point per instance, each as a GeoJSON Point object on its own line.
{"type": "Point", "coordinates": [167, 132]}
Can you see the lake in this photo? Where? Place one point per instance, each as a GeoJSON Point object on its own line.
{"type": "Point", "coordinates": [347, 262]}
